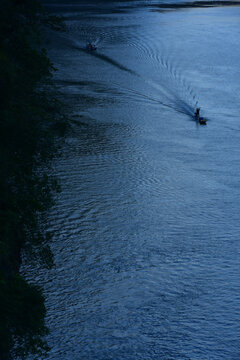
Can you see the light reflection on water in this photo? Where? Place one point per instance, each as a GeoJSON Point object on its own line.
{"type": "Point", "coordinates": [146, 228]}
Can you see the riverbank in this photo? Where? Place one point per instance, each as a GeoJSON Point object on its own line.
{"type": "Point", "coordinates": [30, 126]}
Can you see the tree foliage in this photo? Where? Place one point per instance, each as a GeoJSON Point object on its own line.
{"type": "Point", "coordinates": [30, 121]}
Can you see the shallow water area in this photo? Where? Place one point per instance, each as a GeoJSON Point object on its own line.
{"type": "Point", "coordinates": [146, 229]}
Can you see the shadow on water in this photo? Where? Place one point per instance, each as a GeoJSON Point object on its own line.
{"type": "Point", "coordinates": [105, 7]}
{"type": "Point", "coordinates": [194, 4]}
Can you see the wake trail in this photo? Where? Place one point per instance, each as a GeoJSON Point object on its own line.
{"type": "Point", "coordinates": [179, 105]}
{"type": "Point", "coordinates": [153, 99]}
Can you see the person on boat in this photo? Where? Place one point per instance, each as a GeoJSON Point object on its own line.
{"type": "Point", "coordinates": [90, 46]}
{"type": "Point", "coordinates": [197, 112]}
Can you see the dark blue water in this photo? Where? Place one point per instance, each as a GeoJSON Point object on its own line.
{"type": "Point", "coordinates": [146, 229]}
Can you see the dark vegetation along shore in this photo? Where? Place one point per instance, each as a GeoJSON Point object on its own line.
{"type": "Point", "coordinates": [31, 123]}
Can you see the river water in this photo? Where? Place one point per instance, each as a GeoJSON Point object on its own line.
{"type": "Point", "coordinates": [146, 229]}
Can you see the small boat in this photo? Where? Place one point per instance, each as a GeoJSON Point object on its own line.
{"type": "Point", "coordinates": [202, 121]}
{"type": "Point", "coordinates": [90, 47]}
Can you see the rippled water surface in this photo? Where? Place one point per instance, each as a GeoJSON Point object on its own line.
{"type": "Point", "coordinates": [146, 229]}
